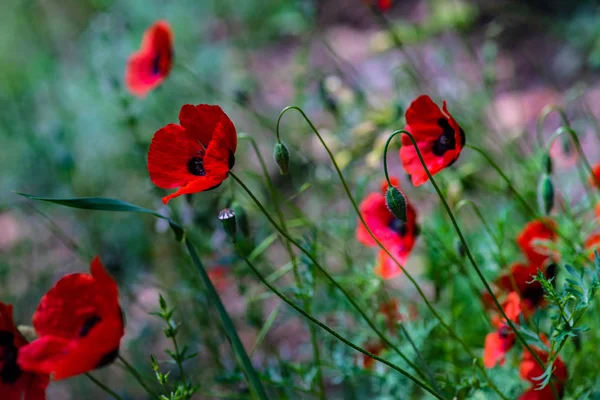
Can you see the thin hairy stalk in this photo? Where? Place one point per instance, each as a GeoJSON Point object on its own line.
{"type": "Point", "coordinates": [467, 250]}
{"type": "Point", "coordinates": [228, 327]}
{"type": "Point", "coordinates": [134, 372]}
{"type": "Point", "coordinates": [102, 386]}
{"type": "Point", "coordinates": [381, 246]}
{"type": "Point", "coordinates": [333, 332]}
{"type": "Point", "coordinates": [325, 273]}
{"type": "Point", "coordinates": [288, 247]}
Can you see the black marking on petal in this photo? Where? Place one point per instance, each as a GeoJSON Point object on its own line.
{"type": "Point", "coordinates": [108, 358]}
{"type": "Point", "coordinates": [88, 324]}
{"type": "Point", "coordinates": [446, 141]}
{"type": "Point", "coordinates": [534, 293]}
{"type": "Point", "coordinates": [195, 166]}
{"type": "Point", "coordinates": [10, 371]}
{"type": "Point", "coordinates": [156, 64]}
{"type": "Point", "coordinates": [398, 226]}
{"type": "Point", "coordinates": [231, 160]}
{"type": "Point", "coordinates": [504, 331]}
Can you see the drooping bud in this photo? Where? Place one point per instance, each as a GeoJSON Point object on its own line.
{"type": "Point", "coordinates": [545, 194]}
{"type": "Point", "coordinates": [227, 217]}
{"type": "Point", "coordinates": [282, 157]}
{"type": "Point", "coordinates": [547, 164]}
{"type": "Point", "coordinates": [396, 203]}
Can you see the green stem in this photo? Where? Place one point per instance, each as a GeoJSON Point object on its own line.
{"type": "Point", "coordinates": [331, 331]}
{"type": "Point", "coordinates": [228, 326]}
{"type": "Point", "coordinates": [467, 250]}
{"type": "Point", "coordinates": [178, 361]}
{"type": "Point", "coordinates": [103, 386]}
{"type": "Point", "coordinates": [381, 246]}
{"type": "Point", "coordinates": [288, 247]}
{"type": "Point", "coordinates": [547, 110]}
{"type": "Point", "coordinates": [131, 369]}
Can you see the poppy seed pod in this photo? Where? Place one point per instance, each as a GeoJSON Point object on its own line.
{"type": "Point", "coordinates": [396, 203]}
{"type": "Point", "coordinates": [545, 194]}
{"type": "Point", "coordinates": [227, 217]}
{"type": "Point", "coordinates": [282, 157]}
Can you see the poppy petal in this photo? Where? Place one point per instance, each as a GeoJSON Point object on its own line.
{"type": "Point", "coordinates": [495, 348]}
{"type": "Point", "coordinates": [203, 120]}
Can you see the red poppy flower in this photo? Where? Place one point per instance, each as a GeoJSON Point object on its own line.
{"type": "Point", "coordinates": [595, 180]}
{"type": "Point", "coordinates": [149, 66]}
{"type": "Point", "coordinates": [382, 5]}
{"type": "Point", "coordinates": [529, 237]}
{"type": "Point", "coordinates": [196, 155]}
{"type": "Point", "coordinates": [499, 342]}
{"type": "Point", "coordinates": [219, 276]}
{"type": "Point", "coordinates": [15, 383]}
{"type": "Point", "coordinates": [438, 136]}
{"type": "Point", "coordinates": [598, 211]}
{"type": "Point", "coordinates": [522, 281]}
{"type": "Point", "coordinates": [530, 370]}
{"type": "Point", "coordinates": [79, 326]}
{"type": "Point", "coordinates": [592, 243]}
{"type": "Point", "coordinates": [366, 361]}
{"type": "Point", "coordinates": [391, 310]}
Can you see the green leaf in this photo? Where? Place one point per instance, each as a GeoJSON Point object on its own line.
{"type": "Point", "coordinates": [107, 204]}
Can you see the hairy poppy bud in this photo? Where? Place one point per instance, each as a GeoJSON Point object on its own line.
{"type": "Point", "coordinates": [396, 203]}
{"type": "Point", "coordinates": [227, 217]}
{"type": "Point", "coordinates": [282, 157]}
{"type": "Point", "coordinates": [545, 193]}
{"type": "Point", "coordinates": [547, 163]}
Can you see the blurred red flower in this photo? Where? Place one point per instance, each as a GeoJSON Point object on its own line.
{"type": "Point", "coordinates": [366, 361]}
{"type": "Point", "coordinates": [391, 310]}
{"type": "Point", "coordinates": [79, 326]}
{"type": "Point", "coordinates": [595, 180]}
{"type": "Point", "coordinates": [592, 243]}
{"type": "Point", "coordinates": [531, 291]}
{"type": "Point", "coordinates": [397, 236]}
{"type": "Point", "coordinates": [530, 370]}
{"type": "Point", "coordinates": [15, 383]}
{"type": "Point", "coordinates": [196, 155]}
{"type": "Point", "coordinates": [382, 5]}
{"type": "Point", "coordinates": [534, 231]}
{"type": "Point", "coordinates": [499, 342]}
{"type": "Point", "coordinates": [438, 136]}
{"type": "Point", "coordinates": [149, 66]}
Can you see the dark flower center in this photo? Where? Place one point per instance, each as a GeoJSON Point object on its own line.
{"type": "Point", "coordinates": [156, 63]}
{"type": "Point", "coordinates": [195, 166]}
{"type": "Point", "coordinates": [398, 226]}
{"type": "Point", "coordinates": [446, 141]}
{"type": "Point", "coordinates": [231, 160]}
{"type": "Point", "coordinates": [9, 370]}
{"type": "Point", "coordinates": [89, 323]}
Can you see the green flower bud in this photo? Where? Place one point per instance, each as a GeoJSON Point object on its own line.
{"type": "Point", "coordinates": [547, 163]}
{"type": "Point", "coordinates": [282, 157]}
{"type": "Point", "coordinates": [396, 203]}
{"type": "Point", "coordinates": [227, 217]}
{"type": "Point", "coordinates": [545, 194]}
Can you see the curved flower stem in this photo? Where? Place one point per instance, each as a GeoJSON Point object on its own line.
{"type": "Point", "coordinates": [468, 251]}
{"type": "Point", "coordinates": [571, 132]}
{"type": "Point", "coordinates": [331, 331]}
{"type": "Point", "coordinates": [530, 210]}
{"type": "Point", "coordinates": [103, 387]}
{"type": "Point", "coordinates": [134, 372]}
{"type": "Point", "coordinates": [286, 243]}
{"type": "Point", "coordinates": [547, 110]}
{"type": "Point", "coordinates": [362, 220]}
{"type": "Point", "coordinates": [467, 202]}
{"type": "Point", "coordinates": [228, 327]}
{"type": "Point", "coordinates": [326, 274]}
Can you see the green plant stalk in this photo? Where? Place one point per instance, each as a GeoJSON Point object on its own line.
{"type": "Point", "coordinates": [466, 246]}
{"type": "Point", "coordinates": [178, 361]}
{"type": "Point", "coordinates": [288, 247]}
{"type": "Point", "coordinates": [333, 332]}
{"type": "Point", "coordinates": [134, 372]}
{"type": "Point", "coordinates": [361, 218]}
{"type": "Point", "coordinates": [546, 111]}
{"type": "Point", "coordinates": [102, 386]}
{"type": "Point", "coordinates": [228, 326]}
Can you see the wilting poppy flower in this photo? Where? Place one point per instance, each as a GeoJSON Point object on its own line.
{"type": "Point", "coordinates": [592, 244]}
{"type": "Point", "coordinates": [148, 67]}
{"type": "Point", "coordinates": [397, 236]}
{"type": "Point", "coordinates": [499, 342]}
{"type": "Point", "coordinates": [79, 326]}
{"type": "Point", "coordinates": [534, 231]}
{"type": "Point", "coordinates": [196, 155]}
{"type": "Point", "coordinates": [366, 361]}
{"type": "Point", "coordinates": [530, 370]}
{"type": "Point", "coordinates": [15, 383]}
{"type": "Point", "coordinates": [438, 136]}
